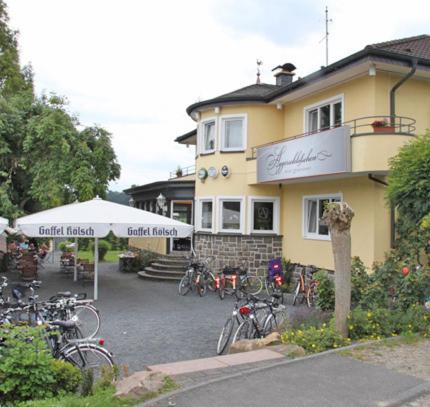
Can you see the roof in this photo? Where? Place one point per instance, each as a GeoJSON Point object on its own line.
{"type": "Point", "coordinates": [405, 50]}
{"type": "Point", "coordinates": [186, 137]}
{"type": "Point", "coordinates": [158, 185]}
{"type": "Point", "coordinates": [418, 46]}
{"type": "Point", "coordinates": [251, 93]}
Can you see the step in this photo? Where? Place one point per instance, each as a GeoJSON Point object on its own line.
{"type": "Point", "coordinates": [166, 266]}
{"type": "Point", "coordinates": [171, 273]}
{"type": "Point", "coordinates": [143, 275]}
{"type": "Point", "coordinates": [172, 262]}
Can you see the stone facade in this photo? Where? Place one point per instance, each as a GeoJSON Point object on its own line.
{"type": "Point", "coordinates": [254, 251]}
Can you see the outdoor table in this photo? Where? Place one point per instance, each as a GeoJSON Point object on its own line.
{"type": "Point", "coordinates": [126, 263]}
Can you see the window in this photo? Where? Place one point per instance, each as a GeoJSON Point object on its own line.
{"type": "Point", "coordinates": [324, 115]}
{"type": "Point", "coordinates": [204, 214]}
{"type": "Point", "coordinates": [263, 214]}
{"type": "Point", "coordinates": [208, 136]}
{"type": "Point", "coordinates": [313, 209]}
{"type": "Point", "coordinates": [233, 133]}
{"type": "Point", "coordinates": [231, 215]}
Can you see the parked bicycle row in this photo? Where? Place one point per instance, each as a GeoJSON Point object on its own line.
{"type": "Point", "coordinates": [70, 322]}
{"type": "Point", "coordinates": [234, 281]}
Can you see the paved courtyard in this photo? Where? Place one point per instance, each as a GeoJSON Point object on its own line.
{"type": "Point", "coordinates": [146, 322]}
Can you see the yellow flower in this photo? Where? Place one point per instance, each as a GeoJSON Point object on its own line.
{"type": "Point", "coordinates": [369, 315]}
{"type": "Point", "coordinates": [348, 339]}
{"type": "Point", "coordinates": [324, 325]}
{"type": "Point", "coordinates": [409, 326]}
{"type": "Point", "coordinates": [351, 327]}
{"type": "Point", "coordinates": [313, 345]}
{"type": "Point", "coordinates": [334, 346]}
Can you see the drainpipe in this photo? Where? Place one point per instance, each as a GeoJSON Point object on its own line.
{"type": "Point", "coordinates": [397, 86]}
{"type": "Point", "coordinates": [392, 212]}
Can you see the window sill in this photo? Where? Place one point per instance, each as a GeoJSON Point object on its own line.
{"type": "Point", "coordinates": [208, 153]}
{"type": "Point", "coordinates": [320, 238]}
{"type": "Point", "coordinates": [232, 151]}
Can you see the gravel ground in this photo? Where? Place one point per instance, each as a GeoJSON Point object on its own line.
{"type": "Point", "coordinates": [410, 358]}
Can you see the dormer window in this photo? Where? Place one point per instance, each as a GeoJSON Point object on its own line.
{"type": "Point", "coordinates": [324, 115]}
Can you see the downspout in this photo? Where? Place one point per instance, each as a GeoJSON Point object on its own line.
{"type": "Point", "coordinates": [414, 63]}
{"type": "Point", "coordinates": [392, 212]}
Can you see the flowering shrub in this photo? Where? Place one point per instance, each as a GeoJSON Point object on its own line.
{"type": "Point", "coordinates": [380, 123]}
{"type": "Point", "coordinates": [325, 299]}
{"type": "Point", "coordinates": [315, 339]}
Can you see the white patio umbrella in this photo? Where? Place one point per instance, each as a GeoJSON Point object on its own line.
{"type": "Point", "coordinates": [95, 219]}
{"type": "Point", "coordinates": [4, 223]}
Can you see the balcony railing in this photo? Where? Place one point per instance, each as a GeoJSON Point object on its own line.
{"type": "Point", "coordinates": [183, 172]}
{"type": "Point", "coordinates": [362, 126]}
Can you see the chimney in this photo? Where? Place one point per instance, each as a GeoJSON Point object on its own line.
{"type": "Point", "coordinates": [284, 74]}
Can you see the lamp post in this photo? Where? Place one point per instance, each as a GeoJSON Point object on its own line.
{"type": "Point", "coordinates": [161, 203]}
{"type": "Point", "coordinates": [131, 202]}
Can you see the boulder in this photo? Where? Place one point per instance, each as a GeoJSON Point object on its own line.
{"type": "Point", "coordinates": [139, 384]}
{"type": "Point", "coordinates": [291, 350]}
{"type": "Point", "coordinates": [247, 345]}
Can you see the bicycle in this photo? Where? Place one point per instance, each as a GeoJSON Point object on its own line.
{"type": "Point", "coordinates": [198, 276]}
{"type": "Point", "coordinates": [275, 279]}
{"type": "Point", "coordinates": [306, 288]}
{"type": "Point", "coordinates": [235, 281]}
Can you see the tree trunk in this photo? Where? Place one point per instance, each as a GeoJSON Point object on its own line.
{"type": "Point", "coordinates": [341, 244]}
{"type": "Point", "coordinates": [338, 217]}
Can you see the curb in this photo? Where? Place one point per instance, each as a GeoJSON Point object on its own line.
{"type": "Point", "coordinates": [172, 394]}
{"type": "Point", "coordinates": [406, 396]}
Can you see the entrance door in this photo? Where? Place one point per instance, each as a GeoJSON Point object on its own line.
{"type": "Point", "coordinates": [183, 212]}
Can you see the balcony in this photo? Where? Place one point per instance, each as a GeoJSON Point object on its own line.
{"type": "Point", "coordinates": [361, 145]}
{"type": "Point", "coordinates": [184, 173]}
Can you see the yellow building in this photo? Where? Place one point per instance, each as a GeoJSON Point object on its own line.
{"type": "Point", "coordinates": [268, 157]}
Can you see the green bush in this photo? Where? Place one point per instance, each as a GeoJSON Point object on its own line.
{"type": "Point", "coordinates": [104, 247]}
{"type": "Point", "coordinates": [315, 339]}
{"type": "Point", "coordinates": [325, 290]}
{"type": "Point", "coordinates": [28, 370]}
{"type": "Point", "coordinates": [381, 322]}
{"type": "Point", "coordinates": [63, 246]}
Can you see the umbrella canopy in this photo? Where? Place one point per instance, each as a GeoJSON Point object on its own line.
{"type": "Point", "coordinates": [4, 223]}
{"type": "Point", "coordinates": [96, 218]}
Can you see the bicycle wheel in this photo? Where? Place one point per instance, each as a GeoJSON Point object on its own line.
{"type": "Point", "coordinates": [210, 281]}
{"type": "Point", "coordinates": [269, 325]}
{"type": "Point", "coordinates": [87, 319]}
{"type": "Point", "coordinates": [225, 335]}
{"type": "Point", "coordinates": [310, 296]}
{"type": "Point", "coordinates": [221, 289]}
{"type": "Point", "coordinates": [88, 357]}
{"type": "Point", "coordinates": [270, 286]}
{"type": "Point", "coordinates": [244, 331]}
{"type": "Point", "coordinates": [184, 285]}
{"type": "Point", "coordinates": [201, 287]}
{"type": "Point", "coordinates": [252, 285]}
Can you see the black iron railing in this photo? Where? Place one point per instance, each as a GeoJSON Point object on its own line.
{"type": "Point", "coordinates": [362, 126]}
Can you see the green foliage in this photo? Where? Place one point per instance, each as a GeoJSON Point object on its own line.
{"type": "Point", "coordinates": [409, 192]}
{"type": "Point", "coordinates": [63, 246]}
{"type": "Point", "coordinates": [325, 299]}
{"type": "Point", "coordinates": [382, 322]}
{"type": "Point", "coordinates": [413, 288]}
{"type": "Point", "coordinates": [45, 159]}
{"type": "Point", "coordinates": [87, 383]}
{"type": "Point", "coordinates": [104, 247]}
{"type": "Point", "coordinates": [108, 376]}
{"type": "Point", "coordinates": [315, 339]}
{"type": "Point", "coordinates": [28, 370]}
{"type": "Point", "coordinates": [359, 280]}
{"type": "Point", "coordinates": [288, 268]}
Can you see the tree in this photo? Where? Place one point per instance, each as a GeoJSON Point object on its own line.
{"type": "Point", "coordinates": [45, 158]}
{"type": "Point", "coordinates": [338, 217]}
{"type": "Point", "coordinates": [409, 192]}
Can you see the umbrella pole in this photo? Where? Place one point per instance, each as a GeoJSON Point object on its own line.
{"type": "Point", "coordinates": [96, 268]}
{"type": "Point", "coordinates": [75, 268]}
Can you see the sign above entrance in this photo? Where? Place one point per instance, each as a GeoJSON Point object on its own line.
{"type": "Point", "coordinates": [324, 153]}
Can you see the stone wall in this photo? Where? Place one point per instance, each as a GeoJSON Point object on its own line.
{"type": "Point", "coordinates": [254, 250]}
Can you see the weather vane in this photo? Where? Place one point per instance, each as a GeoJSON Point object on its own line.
{"type": "Point", "coordinates": [259, 63]}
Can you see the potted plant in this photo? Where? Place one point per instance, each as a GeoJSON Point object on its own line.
{"type": "Point", "coordinates": [382, 126]}
{"type": "Point", "coordinates": [179, 171]}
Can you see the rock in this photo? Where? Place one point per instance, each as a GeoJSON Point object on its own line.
{"type": "Point", "coordinates": [140, 383]}
{"type": "Point", "coordinates": [291, 350]}
{"type": "Point", "coordinates": [247, 345]}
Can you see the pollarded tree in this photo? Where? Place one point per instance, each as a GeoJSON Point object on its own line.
{"type": "Point", "coordinates": [338, 216]}
{"type": "Point", "coordinates": [409, 192]}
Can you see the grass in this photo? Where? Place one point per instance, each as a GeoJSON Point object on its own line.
{"type": "Point", "coordinates": [102, 398]}
{"type": "Point", "coordinates": [111, 255]}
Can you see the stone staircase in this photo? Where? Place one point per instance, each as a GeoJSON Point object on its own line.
{"type": "Point", "coordinates": [166, 268]}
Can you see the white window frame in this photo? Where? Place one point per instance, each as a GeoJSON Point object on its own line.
{"type": "Point", "coordinates": [331, 101]}
{"type": "Point", "coordinates": [276, 214]}
{"type": "Point", "coordinates": [306, 198]}
{"type": "Point", "coordinates": [236, 198]}
{"type": "Point", "coordinates": [198, 213]}
{"type": "Point", "coordinates": [201, 136]}
{"type": "Point", "coordinates": [223, 119]}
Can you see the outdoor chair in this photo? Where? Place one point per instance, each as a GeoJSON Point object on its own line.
{"type": "Point", "coordinates": [86, 272]}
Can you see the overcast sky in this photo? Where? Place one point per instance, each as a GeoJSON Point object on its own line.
{"type": "Point", "coordinates": [133, 66]}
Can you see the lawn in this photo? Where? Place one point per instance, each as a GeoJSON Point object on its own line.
{"type": "Point", "coordinates": [111, 255]}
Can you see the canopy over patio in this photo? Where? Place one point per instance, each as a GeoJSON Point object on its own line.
{"type": "Point", "coordinates": [4, 223]}
{"type": "Point", "coordinates": [95, 219]}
